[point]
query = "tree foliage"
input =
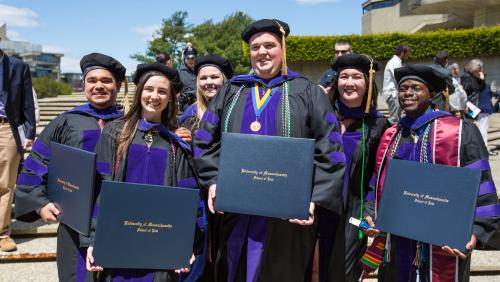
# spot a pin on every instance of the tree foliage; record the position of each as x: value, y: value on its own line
x: 47, y: 87
x: 222, y: 38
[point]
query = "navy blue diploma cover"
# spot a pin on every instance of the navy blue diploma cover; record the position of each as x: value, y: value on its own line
x: 70, y: 186
x: 430, y: 203
x: 265, y: 175
x: 145, y: 226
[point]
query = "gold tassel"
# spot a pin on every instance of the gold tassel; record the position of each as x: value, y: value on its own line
x: 446, y: 94
x: 370, y: 84
x: 125, y: 101
x: 284, y: 69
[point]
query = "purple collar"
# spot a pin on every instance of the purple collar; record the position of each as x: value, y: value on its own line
x: 112, y: 112
x: 190, y: 111
x: 356, y: 113
x: 278, y: 79
x: 415, y: 123
x: 145, y: 125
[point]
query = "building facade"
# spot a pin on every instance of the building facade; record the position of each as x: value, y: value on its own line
x: 425, y: 15
x: 40, y: 63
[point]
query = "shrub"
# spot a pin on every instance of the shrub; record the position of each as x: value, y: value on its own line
x: 47, y: 87
x: 459, y: 44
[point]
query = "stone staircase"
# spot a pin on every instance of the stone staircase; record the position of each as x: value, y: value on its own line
x: 36, y: 255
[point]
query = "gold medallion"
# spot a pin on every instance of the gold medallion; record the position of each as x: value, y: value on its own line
x: 255, y: 126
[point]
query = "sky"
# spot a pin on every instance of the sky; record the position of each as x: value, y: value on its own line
x: 121, y: 28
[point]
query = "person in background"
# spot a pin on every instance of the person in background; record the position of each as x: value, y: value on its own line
x: 16, y: 109
x: 458, y: 99
x: 389, y: 90
x: 140, y: 148
x: 342, y: 47
x: 442, y: 99
x: 80, y: 128
x: 435, y: 137
x: 164, y: 58
x: 486, y: 107
x: 473, y: 81
x: 188, y: 77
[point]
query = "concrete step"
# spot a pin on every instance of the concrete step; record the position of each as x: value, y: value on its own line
x: 36, y: 228
x: 31, y: 249
x: 29, y: 271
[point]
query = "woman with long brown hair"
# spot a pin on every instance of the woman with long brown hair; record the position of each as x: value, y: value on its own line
x: 141, y: 148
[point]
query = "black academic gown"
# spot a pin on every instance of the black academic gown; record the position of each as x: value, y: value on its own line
x: 346, y: 238
x: 168, y: 162
x: 278, y: 250
x: 473, y: 154
x: 77, y: 128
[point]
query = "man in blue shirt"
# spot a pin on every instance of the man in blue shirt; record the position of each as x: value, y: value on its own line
x: 16, y: 108
x: 342, y: 47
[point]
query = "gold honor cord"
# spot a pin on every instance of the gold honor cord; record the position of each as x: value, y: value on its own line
x: 446, y: 94
x: 284, y: 70
x: 370, y: 88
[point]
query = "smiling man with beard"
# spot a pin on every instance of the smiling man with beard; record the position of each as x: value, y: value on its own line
x: 255, y: 248
x: 80, y: 128
x: 427, y: 135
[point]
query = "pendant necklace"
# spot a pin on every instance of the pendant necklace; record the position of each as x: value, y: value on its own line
x: 259, y: 104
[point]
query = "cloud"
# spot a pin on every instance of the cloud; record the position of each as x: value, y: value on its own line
x: 14, y: 35
x: 52, y: 49
x: 146, y: 31
x: 18, y: 17
x: 70, y: 64
x: 314, y: 2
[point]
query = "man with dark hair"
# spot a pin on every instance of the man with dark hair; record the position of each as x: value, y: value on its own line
x: 79, y: 128
x: 342, y: 47
x: 188, y: 77
x: 16, y: 109
x: 390, y: 91
x: 256, y: 248
x: 164, y: 58
x: 442, y: 99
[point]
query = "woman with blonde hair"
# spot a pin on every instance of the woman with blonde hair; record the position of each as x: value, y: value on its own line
x: 212, y: 71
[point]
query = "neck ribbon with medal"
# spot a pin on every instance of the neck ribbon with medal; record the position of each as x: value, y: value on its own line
x: 259, y: 104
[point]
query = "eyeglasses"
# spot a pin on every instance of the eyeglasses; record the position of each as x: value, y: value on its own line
x: 342, y: 52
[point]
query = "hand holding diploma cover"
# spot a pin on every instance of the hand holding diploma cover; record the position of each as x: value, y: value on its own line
x: 145, y: 226
x: 265, y: 175
x: 430, y: 203
x: 71, y: 180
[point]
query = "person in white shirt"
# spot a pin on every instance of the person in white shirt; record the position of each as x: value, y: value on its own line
x: 390, y: 91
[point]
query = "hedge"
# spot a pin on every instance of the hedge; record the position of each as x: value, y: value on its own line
x: 459, y: 44
x: 47, y: 87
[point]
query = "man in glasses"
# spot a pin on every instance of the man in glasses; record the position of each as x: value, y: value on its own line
x: 342, y: 47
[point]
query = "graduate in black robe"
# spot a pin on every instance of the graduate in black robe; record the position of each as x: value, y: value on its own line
x: 427, y: 135
x: 80, y: 128
x: 140, y: 148
x: 278, y: 102
x: 212, y: 71
x: 362, y: 128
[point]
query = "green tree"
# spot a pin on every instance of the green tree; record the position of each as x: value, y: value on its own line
x: 47, y: 87
x: 224, y: 39
x: 171, y: 37
x: 221, y: 38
